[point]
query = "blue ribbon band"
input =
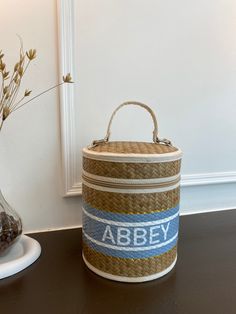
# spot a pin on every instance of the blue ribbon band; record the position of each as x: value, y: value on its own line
x: 130, y: 235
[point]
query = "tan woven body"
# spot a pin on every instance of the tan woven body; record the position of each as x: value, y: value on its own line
x: 100, y: 165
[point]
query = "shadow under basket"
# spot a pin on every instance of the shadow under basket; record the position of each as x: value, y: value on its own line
x: 131, y: 206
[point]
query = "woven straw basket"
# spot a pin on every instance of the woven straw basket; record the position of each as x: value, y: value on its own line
x: 131, y: 206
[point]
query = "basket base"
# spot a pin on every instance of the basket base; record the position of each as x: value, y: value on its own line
x: 129, y: 279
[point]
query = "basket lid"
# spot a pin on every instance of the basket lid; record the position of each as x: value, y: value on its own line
x: 160, y: 149
x: 122, y: 147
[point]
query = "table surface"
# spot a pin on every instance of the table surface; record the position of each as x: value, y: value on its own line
x: 203, y: 281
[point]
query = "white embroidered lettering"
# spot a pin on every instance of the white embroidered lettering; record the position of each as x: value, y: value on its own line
x: 123, y: 236
x: 108, y: 235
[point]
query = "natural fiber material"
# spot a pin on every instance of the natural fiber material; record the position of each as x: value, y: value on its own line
x: 131, y: 170
x: 129, y: 267
x: 126, y: 203
x: 131, y: 206
x: 139, y: 104
x: 133, y: 148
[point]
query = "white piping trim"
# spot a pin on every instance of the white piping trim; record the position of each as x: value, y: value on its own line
x: 130, y: 191
x: 130, y: 224
x: 129, y: 279
x: 130, y: 181
x: 128, y: 249
x: 133, y: 158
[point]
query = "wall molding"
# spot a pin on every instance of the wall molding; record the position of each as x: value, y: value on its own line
x: 69, y: 129
x: 66, y: 40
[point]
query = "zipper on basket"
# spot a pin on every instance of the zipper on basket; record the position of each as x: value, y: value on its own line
x: 118, y: 185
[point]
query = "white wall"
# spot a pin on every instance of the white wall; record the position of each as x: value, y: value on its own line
x: 177, y: 56
x: 30, y: 164
x: 180, y: 58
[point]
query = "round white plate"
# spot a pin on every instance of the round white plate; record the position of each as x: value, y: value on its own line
x: 21, y: 255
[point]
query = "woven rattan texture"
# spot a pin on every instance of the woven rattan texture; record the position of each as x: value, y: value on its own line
x: 131, y: 170
x: 129, y: 267
x: 125, y: 203
x: 133, y: 148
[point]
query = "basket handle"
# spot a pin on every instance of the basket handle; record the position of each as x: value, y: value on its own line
x: 142, y: 105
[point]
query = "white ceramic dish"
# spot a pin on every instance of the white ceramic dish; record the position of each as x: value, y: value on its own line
x: 20, y: 256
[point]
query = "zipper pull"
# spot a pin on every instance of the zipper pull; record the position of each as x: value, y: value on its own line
x: 97, y: 142
x: 163, y: 141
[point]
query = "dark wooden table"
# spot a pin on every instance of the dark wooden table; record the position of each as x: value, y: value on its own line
x: 203, y: 281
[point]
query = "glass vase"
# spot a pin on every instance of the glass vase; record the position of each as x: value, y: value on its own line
x: 10, y: 225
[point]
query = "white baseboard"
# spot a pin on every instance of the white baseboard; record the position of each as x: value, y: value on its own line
x: 205, y: 211
x: 208, y: 178
x: 53, y: 229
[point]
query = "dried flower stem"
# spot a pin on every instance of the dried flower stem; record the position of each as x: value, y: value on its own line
x: 10, y: 84
x: 40, y: 94
x: 1, y: 125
